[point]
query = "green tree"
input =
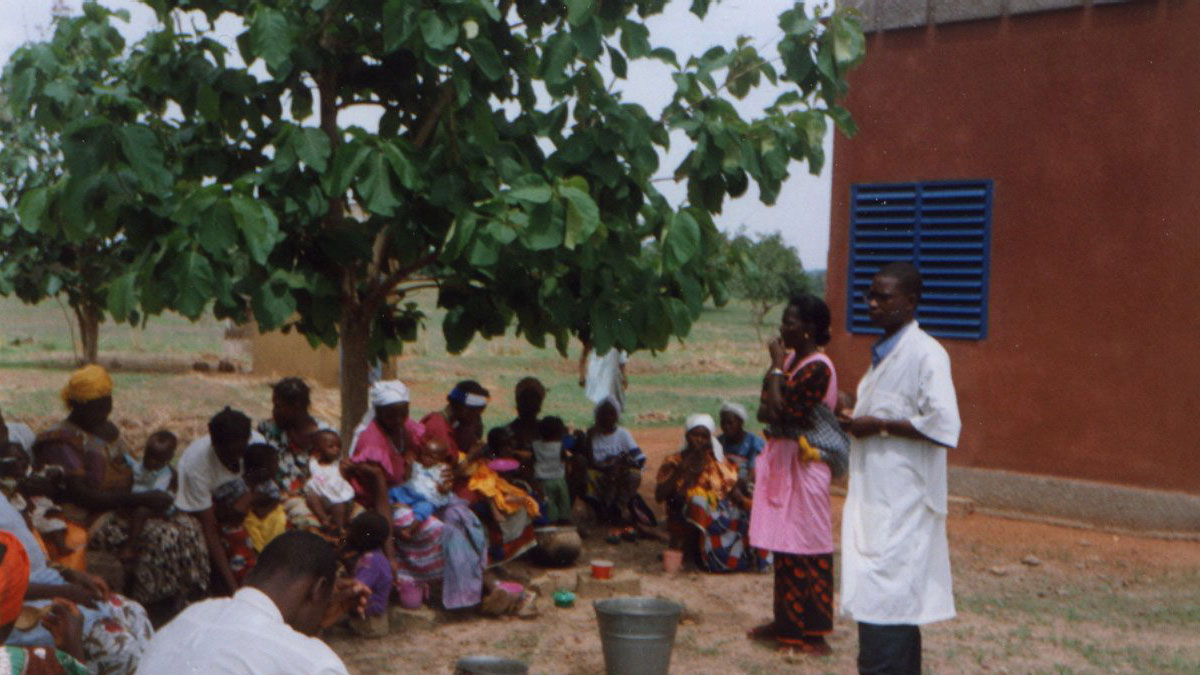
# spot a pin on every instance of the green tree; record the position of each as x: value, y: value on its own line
x: 64, y: 235
x: 770, y: 273
x: 506, y: 169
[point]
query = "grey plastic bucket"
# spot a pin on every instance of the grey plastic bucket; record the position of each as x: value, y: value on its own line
x: 489, y: 665
x: 637, y: 634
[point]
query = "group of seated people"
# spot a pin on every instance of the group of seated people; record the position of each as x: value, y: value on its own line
x: 417, y: 510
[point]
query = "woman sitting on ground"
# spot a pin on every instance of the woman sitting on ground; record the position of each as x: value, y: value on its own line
x: 381, y: 444
x: 507, y: 515
x: 114, y: 628
x: 291, y: 430
x: 741, y: 447
x: 614, y: 472
x: 708, y: 507
x: 171, y: 565
x: 63, y: 621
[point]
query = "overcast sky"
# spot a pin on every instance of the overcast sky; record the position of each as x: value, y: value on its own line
x: 802, y: 210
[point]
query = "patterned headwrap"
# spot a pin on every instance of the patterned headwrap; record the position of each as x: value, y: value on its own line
x: 468, y: 399
x: 14, y: 578
x: 87, y: 384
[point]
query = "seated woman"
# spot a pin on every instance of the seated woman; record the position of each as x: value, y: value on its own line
x: 63, y: 620
x: 382, y: 441
x: 115, y: 629
x: 741, y: 446
x: 212, y: 492
x: 614, y: 472
x: 708, y: 509
x: 171, y: 565
x: 506, y: 511
x: 292, y: 430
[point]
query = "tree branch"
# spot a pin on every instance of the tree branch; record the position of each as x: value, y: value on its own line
x: 432, y: 117
x: 389, y: 283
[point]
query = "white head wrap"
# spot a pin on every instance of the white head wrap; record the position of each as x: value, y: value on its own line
x: 705, y: 420
x: 383, y: 393
x: 388, y: 392
x: 736, y: 409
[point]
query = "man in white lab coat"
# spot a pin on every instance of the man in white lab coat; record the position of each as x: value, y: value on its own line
x: 895, y: 557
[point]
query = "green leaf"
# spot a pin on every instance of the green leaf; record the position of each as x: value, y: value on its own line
x: 375, y: 186
x: 619, y: 66
x: 217, y: 233
x: 121, y: 299
x: 258, y: 225
x: 849, y: 46
x: 583, y: 216
x: 841, y: 117
x: 487, y: 58
x: 544, y: 231
x: 700, y: 7
x: 272, y: 302
x: 635, y: 39
x: 194, y: 278
x: 311, y: 145
x: 556, y: 56
x: 436, y: 31
x: 531, y: 188
x: 145, y: 156
x: 31, y: 209
x: 683, y: 239
x: 22, y: 90
x: 270, y: 38
x: 208, y: 103
x: 586, y: 37
x: 397, y: 23
x: 579, y: 11
x: 396, y: 154
x: 347, y: 160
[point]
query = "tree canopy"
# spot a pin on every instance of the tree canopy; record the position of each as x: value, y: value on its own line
x: 506, y: 169
x: 767, y: 273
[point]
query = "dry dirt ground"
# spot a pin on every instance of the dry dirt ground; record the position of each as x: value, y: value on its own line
x: 1032, y: 598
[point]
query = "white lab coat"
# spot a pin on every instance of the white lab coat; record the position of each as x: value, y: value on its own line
x: 895, y: 557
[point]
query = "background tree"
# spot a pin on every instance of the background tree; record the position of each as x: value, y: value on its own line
x: 64, y: 237
x: 506, y: 170
x: 769, y: 273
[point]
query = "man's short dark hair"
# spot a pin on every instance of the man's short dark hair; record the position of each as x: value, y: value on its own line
x: 228, y: 426
x: 295, y: 554
x: 906, y: 274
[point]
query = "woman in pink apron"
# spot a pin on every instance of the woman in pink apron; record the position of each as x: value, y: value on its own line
x: 790, y: 514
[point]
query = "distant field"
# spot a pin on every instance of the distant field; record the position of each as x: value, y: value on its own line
x: 721, y: 359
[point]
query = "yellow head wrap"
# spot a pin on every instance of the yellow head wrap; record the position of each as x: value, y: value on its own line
x: 87, y: 384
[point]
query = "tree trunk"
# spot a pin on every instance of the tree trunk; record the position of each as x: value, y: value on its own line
x: 88, y: 318
x: 355, y: 365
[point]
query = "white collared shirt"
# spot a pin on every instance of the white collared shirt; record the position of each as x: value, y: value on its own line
x: 242, y: 634
x: 201, y: 472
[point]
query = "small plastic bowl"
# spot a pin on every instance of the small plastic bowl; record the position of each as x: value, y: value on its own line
x: 564, y: 598
x: 602, y: 569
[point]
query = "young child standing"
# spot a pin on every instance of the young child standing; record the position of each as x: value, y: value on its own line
x: 550, y: 471
x: 365, y: 539
x: 267, y: 518
x: 429, y: 480
x: 153, y: 472
x: 327, y: 491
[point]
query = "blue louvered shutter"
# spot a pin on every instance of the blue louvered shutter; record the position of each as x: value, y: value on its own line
x: 943, y: 228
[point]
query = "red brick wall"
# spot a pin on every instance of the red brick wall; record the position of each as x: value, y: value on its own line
x: 1088, y: 121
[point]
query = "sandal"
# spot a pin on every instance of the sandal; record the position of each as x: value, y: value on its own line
x: 629, y: 534
x: 809, y: 646
x: 614, y: 536
x: 762, y: 633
